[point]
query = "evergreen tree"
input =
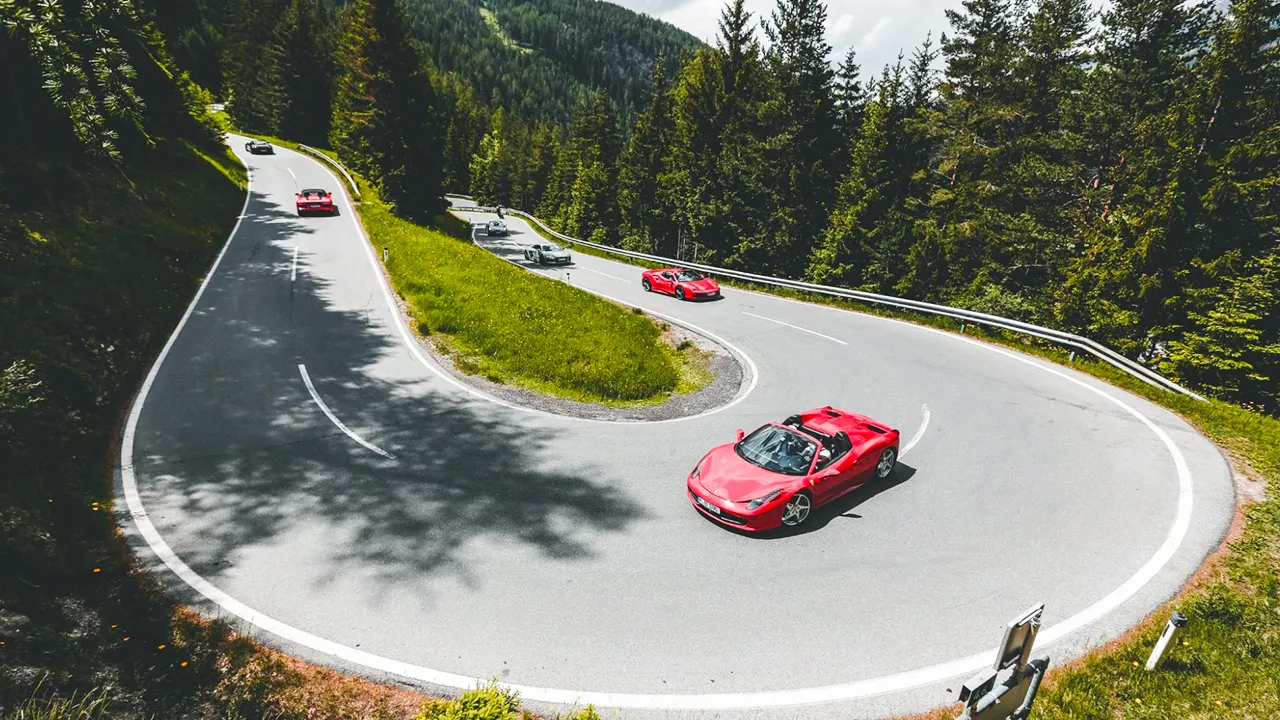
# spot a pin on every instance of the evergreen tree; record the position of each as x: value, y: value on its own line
x: 850, y: 96
x: 1234, y: 349
x: 592, y: 211
x: 385, y: 122
x: 645, y: 211
x: 252, y: 61
x: 808, y: 130
x: 307, y: 66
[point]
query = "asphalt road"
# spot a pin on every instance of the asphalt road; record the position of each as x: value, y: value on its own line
x: 300, y: 468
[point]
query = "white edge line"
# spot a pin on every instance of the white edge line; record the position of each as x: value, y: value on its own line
x: 295, y: 177
x: 302, y: 369
x: 293, y: 274
x: 794, y: 327
x: 847, y: 691
x: 924, y: 409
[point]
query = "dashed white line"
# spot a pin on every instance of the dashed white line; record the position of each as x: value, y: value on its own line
x: 333, y: 418
x: 597, y: 272
x: 795, y: 327
x: 293, y: 274
x: 919, y: 433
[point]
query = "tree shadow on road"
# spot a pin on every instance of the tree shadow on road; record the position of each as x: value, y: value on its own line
x: 233, y: 449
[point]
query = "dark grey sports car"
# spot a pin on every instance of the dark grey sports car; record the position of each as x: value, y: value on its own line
x: 259, y: 147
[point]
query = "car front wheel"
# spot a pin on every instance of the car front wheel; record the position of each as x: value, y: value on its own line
x: 884, y: 466
x: 797, y: 509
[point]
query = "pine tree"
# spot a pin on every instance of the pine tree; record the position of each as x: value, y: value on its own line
x: 850, y: 96
x: 807, y: 128
x: 306, y: 66
x: 252, y: 63
x: 1234, y: 349
x: 645, y: 211
x: 592, y: 211
x: 386, y: 123
x: 1127, y: 285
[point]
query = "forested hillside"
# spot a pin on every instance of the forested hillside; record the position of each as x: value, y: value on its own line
x: 1123, y: 183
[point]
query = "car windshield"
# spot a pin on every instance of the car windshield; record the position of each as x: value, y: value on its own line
x: 552, y: 248
x: 688, y: 276
x: 313, y: 191
x: 777, y: 449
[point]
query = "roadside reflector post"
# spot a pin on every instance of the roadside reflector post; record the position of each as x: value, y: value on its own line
x: 986, y: 697
x: 566, y: 277
x: 384, y: 255
x: 1172, y: 630
x: 963, y: 325
x: 1072, y: 358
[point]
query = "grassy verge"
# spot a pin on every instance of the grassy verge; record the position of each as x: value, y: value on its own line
x: 513, y: 327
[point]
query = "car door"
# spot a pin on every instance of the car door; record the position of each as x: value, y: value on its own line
x: 668, y: 284
x: 835, y: 479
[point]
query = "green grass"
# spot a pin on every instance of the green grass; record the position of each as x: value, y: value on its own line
x: 511, y: 326
x: 92, y: 705
x: 491, y: 19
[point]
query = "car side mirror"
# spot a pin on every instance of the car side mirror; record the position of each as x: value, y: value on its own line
x: 740, y: 435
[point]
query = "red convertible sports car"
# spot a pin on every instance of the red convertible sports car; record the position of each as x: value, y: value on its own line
x: 313, y: 200
x: 778, y: 474
x: 684, y: 284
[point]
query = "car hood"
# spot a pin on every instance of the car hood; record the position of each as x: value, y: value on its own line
x: 727, y: 476
x: 556, y: 253
x: 703, y: 285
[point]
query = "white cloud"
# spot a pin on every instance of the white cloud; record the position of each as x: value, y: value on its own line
x: 877, y: 29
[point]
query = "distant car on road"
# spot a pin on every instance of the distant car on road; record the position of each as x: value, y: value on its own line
x: 684, y: 284
x: 547, y: 254
x: 778, y: 474
x: 316, y: 200
x: 495, y: 227
x: 259, y: 147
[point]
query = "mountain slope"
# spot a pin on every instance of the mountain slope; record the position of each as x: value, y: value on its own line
x: 540, y: 58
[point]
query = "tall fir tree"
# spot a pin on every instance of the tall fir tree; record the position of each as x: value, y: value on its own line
x: 807, y: 166
x: 646, y: 212
x: 592, y: 211
x: 306, y: 66
x: 386, y: 123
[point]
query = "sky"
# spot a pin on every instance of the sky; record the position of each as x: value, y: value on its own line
x: 877, y: 29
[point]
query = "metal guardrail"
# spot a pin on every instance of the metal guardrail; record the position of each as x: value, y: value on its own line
x: 350, y: 180
x: 1077, y: 342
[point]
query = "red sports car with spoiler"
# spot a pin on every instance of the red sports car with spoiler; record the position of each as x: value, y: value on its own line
x: 778, y: 474
x: 684, y: 284
x: 315, y: 200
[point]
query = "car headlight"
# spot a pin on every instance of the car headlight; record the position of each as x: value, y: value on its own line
x: 761, y: 501
x: 697, y: 469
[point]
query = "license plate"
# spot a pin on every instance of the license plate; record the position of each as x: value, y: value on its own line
x: 707, y: 505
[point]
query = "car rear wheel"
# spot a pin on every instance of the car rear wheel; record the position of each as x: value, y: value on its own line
x: 679, y: 293
x: 884, y: 466
x: 648, y: 287
x: 797, y: 509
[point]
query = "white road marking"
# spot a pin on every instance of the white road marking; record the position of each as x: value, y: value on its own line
x: 597, y: 272
x: 295, y: 177
x: 795, y: 327
x: 293, y: 275
x: 334, y: 418
x: 780, y: 698
x: 919, y: 433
